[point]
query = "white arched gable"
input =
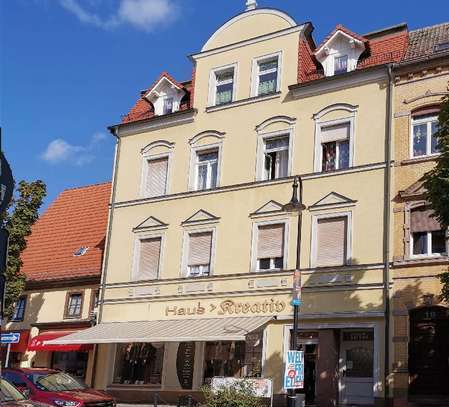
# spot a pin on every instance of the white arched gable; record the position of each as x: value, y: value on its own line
x: 157, y: 144
x: 208, y: 133
x: 337, y: 106
x: 275, y: 119
x: 286, y: 19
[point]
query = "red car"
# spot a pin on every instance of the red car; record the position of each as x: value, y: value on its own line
x: 56, y: 388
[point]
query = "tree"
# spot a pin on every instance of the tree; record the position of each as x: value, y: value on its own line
x: 18, y: 220
x: 437, y: 181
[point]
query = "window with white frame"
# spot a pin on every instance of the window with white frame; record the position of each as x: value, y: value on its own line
x: 340, y: 64
x: 427, y: 237
x: 276, y: 155
x: 19, y: 310
x: 335, y: 146
x: 331, y: 246
x: 224, y: 86
x: 206, y: 169
x: 266, y: 76
x: 424, y: 130
x: 199, y: 254
x: 155, y: 182
x: 149, y: 256
x: 270, y: 247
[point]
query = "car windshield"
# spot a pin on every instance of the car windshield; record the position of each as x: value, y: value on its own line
x: 9, y: 393
x: 57, y: 381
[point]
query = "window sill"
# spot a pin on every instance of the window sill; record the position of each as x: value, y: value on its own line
x: 423, y: 260
x: 243, y: 102
x: 421, y: 159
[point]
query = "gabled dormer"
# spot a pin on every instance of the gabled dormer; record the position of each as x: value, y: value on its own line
x: 165, y: 95
x: 340, y: 51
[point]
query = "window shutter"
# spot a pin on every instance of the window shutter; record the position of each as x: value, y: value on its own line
x: 156, y: 177
x: 421, y: 220
x: 270, y: 241
x: 331, y: 242
x: 150, y: 250
x: 199, y: 248
x: 335, y: 133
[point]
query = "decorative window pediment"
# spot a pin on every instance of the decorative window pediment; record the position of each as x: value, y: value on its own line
x: 332, y: 200
x: 165, y: 95
x: 151, y: 223
x: 200, y: 217
x: 271, y: 207
x: 415, y: 190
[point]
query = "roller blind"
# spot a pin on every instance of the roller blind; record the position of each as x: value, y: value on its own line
x: 199, y: 248
x: 335, y: 133
x: 331, y: 242
x: 156, y: 177
x: 422, y: 220
x: 270, y: 241
x: 150, y: 250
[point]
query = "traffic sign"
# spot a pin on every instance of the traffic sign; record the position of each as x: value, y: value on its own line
x: 294, y: 370
x: 10, y: 337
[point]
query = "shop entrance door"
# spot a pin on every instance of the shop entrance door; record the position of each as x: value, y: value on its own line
x: 356, y: 367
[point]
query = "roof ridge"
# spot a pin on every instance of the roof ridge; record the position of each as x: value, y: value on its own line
x: 86, y: 186
x: 428, y: 27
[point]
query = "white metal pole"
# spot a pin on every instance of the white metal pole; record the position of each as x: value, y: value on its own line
x: 7, y: 355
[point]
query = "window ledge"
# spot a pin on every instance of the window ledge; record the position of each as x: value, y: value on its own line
x: 429, y: 260
x: 421, y: 159
x: 243, y: 102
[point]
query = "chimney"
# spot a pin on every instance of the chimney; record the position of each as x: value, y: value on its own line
x: 251, y: 4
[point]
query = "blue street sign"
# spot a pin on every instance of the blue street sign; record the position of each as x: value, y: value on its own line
x: 294, y: 370
x: 10, y: 337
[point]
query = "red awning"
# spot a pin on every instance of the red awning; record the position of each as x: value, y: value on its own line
x: 22, y: 345
x: 38, y: 343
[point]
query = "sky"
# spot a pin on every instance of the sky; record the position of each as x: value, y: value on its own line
x: 71, y: 68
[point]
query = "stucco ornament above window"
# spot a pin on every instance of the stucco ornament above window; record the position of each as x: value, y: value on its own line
x: 165, y: 95
x: 340, y: 51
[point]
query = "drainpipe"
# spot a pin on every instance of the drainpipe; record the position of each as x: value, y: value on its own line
x: 114, y: 132
x: 387, y: 221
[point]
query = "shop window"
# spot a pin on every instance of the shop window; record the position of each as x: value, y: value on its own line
x: 335, y: 147
x: 424, y: 129
x: 359, y: 362
x: 19, y: 311
x: 74, y: 363
x: 427, y: 238
x: 74, y: 305
x: 276, y: 157
x: 224, y: 359
x: 139, y: 363
x: 331, y: 241
x: 199, y: 255
x: 270, y: 246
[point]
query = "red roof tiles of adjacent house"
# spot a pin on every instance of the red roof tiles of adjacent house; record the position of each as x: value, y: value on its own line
x: 143, y: 109
x: 77, y: 218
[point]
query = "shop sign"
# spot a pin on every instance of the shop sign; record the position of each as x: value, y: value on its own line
x: 261, y: 387
x: 228, y: 307
x: 184, y: 364
x: 10, y: 338
x: 294, y: 370
x: 358, y: 336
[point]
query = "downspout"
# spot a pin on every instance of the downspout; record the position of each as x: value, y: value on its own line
x: 387, y: 220
x: 114, y: 132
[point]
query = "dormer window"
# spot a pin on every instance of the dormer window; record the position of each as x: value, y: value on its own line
x: 340, y: 64
x: 168, y: 105
x: 166, y: 96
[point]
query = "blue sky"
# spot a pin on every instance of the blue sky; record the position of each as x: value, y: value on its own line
x: 70, y: 68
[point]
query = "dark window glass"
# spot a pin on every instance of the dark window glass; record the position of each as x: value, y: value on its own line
x: 434, y: 141
x: 341, y: 64
x: 419, y: 139
x: 264, y: 264
x: 168, y: 105
x: 343, y: 154
x: 19, y: 311
x: 420, y: 243
x: 329, y: 156
x: 74, y: 363
x: 224, y: 359
x: 439, y: 241
x: 278, y: 262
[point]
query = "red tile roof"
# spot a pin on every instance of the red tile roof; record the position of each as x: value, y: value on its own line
x: 77, y: 218
x: 143, y: 109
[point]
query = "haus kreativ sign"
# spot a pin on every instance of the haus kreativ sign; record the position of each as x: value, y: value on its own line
x: 228, y: 307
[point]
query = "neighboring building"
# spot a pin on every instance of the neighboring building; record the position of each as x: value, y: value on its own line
x: 200, y: 252
x: 62, y: 263
x: 421, y: 321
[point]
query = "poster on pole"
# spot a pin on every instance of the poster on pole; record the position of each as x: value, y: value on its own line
x: 294, y: 370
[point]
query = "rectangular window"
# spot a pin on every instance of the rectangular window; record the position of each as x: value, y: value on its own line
x: 224, y: 86
x: 156, y: 177
x: 225, y: 359
x: 427, y: 236
x: 331, y: 241
x: 206, y: 169
x: 168, y: 106
x: 270, y: 247
x: 19, y: 311
x: 199, y: 256
x: 138, y: 363
x: 276, y: 157
x: 340, y: 64
x: 74, y: 305
x: 424, y: 135
x: 149, y: 258
x: 335, y: 147
x: 267, y: 76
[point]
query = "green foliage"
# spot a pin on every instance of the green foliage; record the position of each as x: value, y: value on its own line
x: 437, y: 181
x: 18, y: 220
x: 240, y: 394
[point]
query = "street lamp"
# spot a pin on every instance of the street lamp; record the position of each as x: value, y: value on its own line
x: 296, y: 205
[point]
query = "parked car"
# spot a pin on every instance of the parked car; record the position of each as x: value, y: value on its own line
x: 56, y: 388
x: 12, y: 397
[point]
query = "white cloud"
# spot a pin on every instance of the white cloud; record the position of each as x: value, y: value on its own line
x: 142, y: 14
x: 60, y: 151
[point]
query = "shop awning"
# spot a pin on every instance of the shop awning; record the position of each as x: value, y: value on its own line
x: 40, y: 342
x: 184, y: 330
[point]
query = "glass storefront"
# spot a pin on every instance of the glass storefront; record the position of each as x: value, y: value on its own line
x: 74, y: 363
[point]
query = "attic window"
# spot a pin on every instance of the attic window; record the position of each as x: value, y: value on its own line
x: 442, y: 46
x: 341, y: 64
x: 81, y: 251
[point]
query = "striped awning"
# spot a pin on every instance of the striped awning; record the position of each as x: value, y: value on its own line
x: 183, y: 330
